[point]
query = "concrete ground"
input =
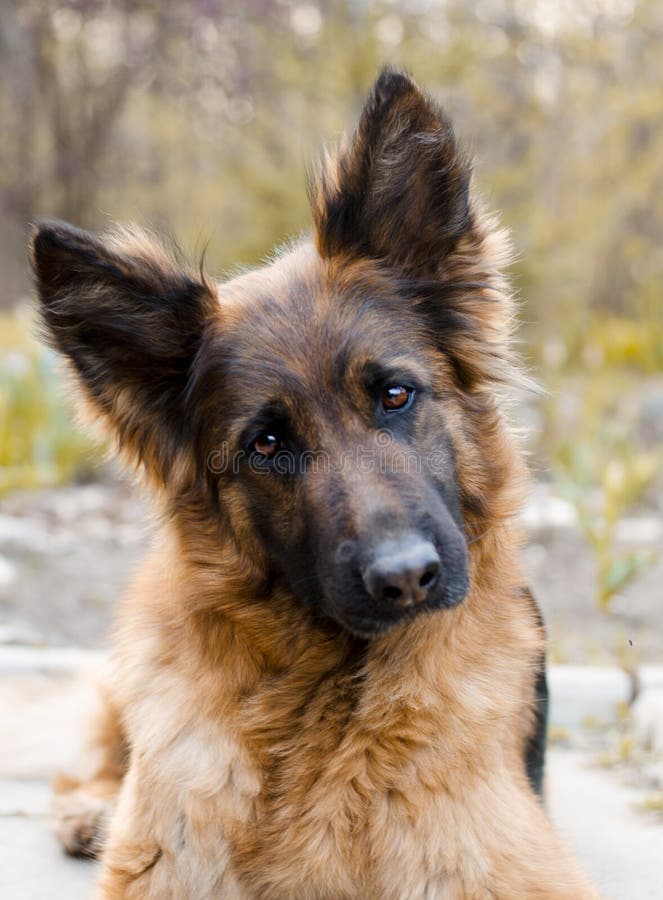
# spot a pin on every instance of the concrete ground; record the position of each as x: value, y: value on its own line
x: 42, y: 712
x: 619, y: 847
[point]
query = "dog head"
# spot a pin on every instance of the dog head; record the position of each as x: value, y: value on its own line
x: 332, y: 412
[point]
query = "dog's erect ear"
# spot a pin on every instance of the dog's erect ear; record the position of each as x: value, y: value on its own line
x: 400, y: 190
x: 129, y: 317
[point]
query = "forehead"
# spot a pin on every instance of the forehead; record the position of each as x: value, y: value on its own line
x: 302, y: 327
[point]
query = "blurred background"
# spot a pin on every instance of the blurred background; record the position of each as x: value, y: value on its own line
x: 199, y: 118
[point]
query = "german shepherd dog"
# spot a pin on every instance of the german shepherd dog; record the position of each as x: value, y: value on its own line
x: 328, y: 677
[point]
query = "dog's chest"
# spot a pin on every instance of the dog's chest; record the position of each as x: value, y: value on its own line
x: 348, y: 810
x: 346, y: 838
x: 356, y: 793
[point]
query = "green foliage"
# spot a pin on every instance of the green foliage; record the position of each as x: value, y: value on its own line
x: 604, y: 471
x: 618, y: 342
x: 653, y: 803
x: 38, y: 444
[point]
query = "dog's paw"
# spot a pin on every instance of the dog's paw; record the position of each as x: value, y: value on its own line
x: 81, y: 812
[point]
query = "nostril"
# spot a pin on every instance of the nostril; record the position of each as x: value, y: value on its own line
x: 429, y: 576
x: 402, y: 573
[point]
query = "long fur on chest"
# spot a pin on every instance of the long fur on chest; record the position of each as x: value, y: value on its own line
x: 322, y: 759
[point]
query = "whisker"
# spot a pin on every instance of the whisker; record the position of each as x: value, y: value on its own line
x: 481, y: 536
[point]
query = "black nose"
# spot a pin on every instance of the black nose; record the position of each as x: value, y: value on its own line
x: 402, y: 572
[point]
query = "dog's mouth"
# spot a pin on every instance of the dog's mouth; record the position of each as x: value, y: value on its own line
x: 366, y: 620
x: 394, y: 583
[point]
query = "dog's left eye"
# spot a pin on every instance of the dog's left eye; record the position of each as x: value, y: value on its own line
x: 396, y: 397
x: 267, y: 445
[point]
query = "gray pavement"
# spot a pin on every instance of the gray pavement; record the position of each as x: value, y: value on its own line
x: 32, y: 865
x: 43, y: 705
x: 620, y: 847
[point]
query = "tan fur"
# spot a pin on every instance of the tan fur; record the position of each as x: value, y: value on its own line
x: 264, y: 764
x: 267, y: 770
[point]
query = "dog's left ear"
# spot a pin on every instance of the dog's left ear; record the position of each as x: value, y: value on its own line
x: 400, y: 190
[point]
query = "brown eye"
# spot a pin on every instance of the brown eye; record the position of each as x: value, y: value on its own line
x: 267, y: 445
x: 396, y: 397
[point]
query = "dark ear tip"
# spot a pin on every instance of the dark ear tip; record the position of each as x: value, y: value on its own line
x: 392, y: 83
x: 47, y: 235
x: 52, y: 241
x: 41, y: 236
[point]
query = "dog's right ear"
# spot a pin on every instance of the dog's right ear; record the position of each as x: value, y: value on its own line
x: 129, y: 317
x: 399, y: 190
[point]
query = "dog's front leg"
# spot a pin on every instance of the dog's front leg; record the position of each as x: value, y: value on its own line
x: 82, y: 807
x: 165, y: 845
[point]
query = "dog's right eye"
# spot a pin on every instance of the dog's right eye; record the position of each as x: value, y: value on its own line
x: 396, y: 397
x: 267, y: 445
